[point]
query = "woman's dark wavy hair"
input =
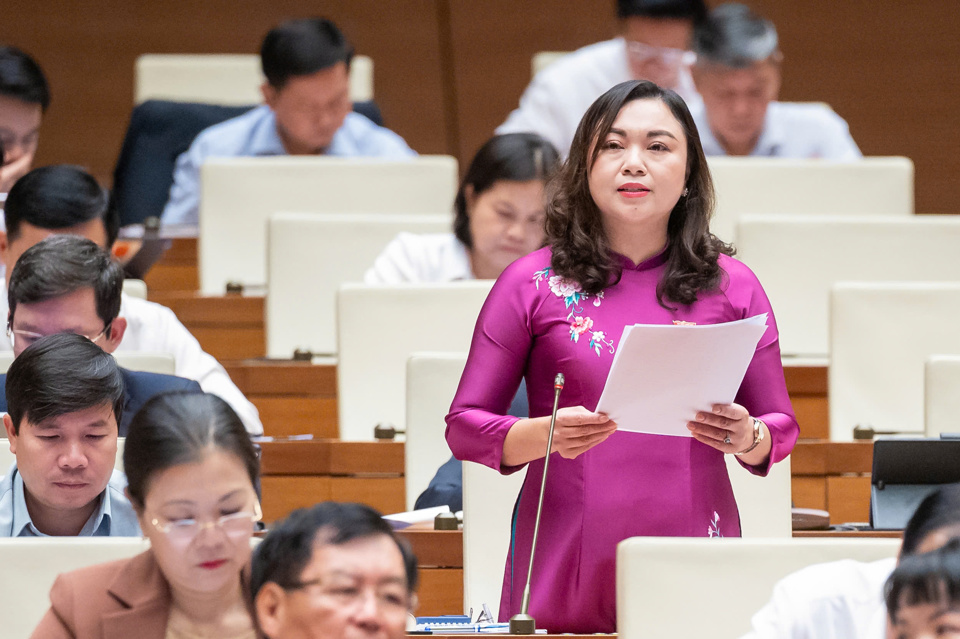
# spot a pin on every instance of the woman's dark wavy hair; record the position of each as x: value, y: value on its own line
x: 575, y: 233
x: 518, y: 157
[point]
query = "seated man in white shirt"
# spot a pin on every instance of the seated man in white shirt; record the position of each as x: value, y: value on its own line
x: 307, y: 112
x: 737, y: 73
x: 24, y: 97
x: 653, y: 45
x: 65, y: 397
x: 63, y: 199
x: 844, y: 599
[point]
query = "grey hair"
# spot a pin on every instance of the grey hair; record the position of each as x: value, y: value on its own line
x: 734, y: 36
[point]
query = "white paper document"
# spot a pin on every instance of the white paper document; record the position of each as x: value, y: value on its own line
x: 663, y: 374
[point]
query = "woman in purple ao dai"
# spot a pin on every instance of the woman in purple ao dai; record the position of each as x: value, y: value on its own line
x: 628, y: 242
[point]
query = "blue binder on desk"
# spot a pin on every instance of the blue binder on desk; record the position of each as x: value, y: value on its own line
x: 905, y: 470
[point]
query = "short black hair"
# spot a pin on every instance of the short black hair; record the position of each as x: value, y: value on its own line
x: 928, y: 578
x: 695, y: 10
x: 288, y: 547
x: 177, y: 428
x: 302, y: 47
x: 22, y: 78
x: 62, y: 264
x: 734, y: 36
x: 61, y: 374
x: 517, y: 157
x: 59, y: 197
x: 938, y: 510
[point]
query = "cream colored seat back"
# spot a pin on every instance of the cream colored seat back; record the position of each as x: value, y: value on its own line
x: 682, y: 587
x: 432, y: 381
x: 228, y: 79
x: 872, y: 186
x: 309, y: 255
x: 135, y: 288
x: 7, y: 458
x: 799, y: 258
x: 378, y: 327
x: 488, y: 500
x: 163, y: 363
x: 881, y: 336
x: 238, y: 195
x: 30, y: 566
x: 941, y: 394
x: 542, y: 59
x: 764, y: 502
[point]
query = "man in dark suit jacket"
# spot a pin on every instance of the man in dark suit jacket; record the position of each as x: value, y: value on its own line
x: 68, y: 284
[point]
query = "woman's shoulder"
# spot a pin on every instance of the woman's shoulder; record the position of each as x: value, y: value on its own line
x: 528, y: 266
x: 121, y: 583
x: 736, y: 273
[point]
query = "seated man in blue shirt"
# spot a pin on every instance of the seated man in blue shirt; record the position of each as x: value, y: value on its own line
x: 68, y: 284
x: 65, y: 399
x: 307, y: 112
x: 737, y: 73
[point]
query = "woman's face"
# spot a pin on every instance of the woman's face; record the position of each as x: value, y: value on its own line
x: 506, y: 223
x: 640, y: 170
x: 198, y: 518
x: 926, y: 621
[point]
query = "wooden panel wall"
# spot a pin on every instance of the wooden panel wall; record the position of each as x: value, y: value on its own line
x: 447, y: 72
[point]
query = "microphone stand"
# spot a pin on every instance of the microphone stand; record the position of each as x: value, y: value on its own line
x: 522, y: 623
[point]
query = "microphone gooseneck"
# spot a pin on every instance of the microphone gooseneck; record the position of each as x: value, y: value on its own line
x: 522, y: 623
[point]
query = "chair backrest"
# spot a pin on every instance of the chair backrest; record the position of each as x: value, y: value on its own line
x: 542, y: 59
x: 764, y: 502
x: 660, y: 578
x: 872, y: 186
x: 238, y: 195
x: 378, y: 327
x: 222, y: 78
x: 135, y: 288
x: 309, y: 255
x: 7, y: 458
x: 941, y: 394
x: 432, y: 380
x: 163, y: 363
x: 798, y: 259
x: 880, y: 337
x: 30, y: 566
x: 488, y: 500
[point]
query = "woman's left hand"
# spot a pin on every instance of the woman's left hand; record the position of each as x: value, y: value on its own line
x: 731, y: 421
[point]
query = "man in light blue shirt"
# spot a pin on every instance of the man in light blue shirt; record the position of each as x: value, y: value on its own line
x: 737, y: 73
x: 307, y: 112
x: 65, y: 397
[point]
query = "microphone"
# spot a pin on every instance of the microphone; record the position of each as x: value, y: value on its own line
x: 522, y: 623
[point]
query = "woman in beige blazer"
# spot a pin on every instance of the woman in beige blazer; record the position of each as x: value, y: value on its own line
x: 191, y: 471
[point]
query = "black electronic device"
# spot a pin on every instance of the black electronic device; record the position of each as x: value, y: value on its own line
x: 905, y: 470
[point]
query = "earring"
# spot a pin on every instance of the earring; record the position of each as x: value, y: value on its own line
x: 685, y: 192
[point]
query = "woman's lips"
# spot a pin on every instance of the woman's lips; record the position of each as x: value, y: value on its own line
x: 633, y: 190
x: 213, y: 565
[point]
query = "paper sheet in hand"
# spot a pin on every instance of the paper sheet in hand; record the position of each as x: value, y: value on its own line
x: 663, y: 374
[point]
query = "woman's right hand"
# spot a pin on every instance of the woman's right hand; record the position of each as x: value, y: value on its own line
x: 577, y: 431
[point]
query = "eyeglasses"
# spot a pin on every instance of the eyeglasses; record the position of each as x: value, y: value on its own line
x: 392, y: 598
x: 235, y: 526
x: 642, y: 52
x: 27, y: 338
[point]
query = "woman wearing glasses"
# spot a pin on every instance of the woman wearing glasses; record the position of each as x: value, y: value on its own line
x: 191, y: 471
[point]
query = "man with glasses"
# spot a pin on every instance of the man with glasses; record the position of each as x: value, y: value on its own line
x: 68, y: 284
x: 737, y: 72
x: 653, y: 45
x: 61, y: 199
x: 64, y: 401
x: 24, y: 97
x: 334, y: 571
